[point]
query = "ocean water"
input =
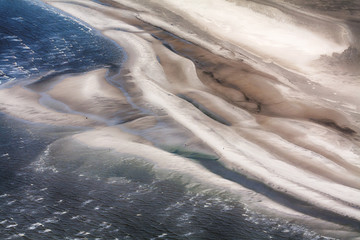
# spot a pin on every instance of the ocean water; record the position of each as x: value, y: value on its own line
x: 41, y: 197
x: 36, y: 40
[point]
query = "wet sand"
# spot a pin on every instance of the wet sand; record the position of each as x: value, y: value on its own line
x: 288, y: 135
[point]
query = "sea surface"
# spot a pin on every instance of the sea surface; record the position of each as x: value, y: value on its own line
x: 36, y: 40
x: 41, y: 201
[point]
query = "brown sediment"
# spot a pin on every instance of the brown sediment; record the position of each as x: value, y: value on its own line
x: 92, y: 94
x: 243, y: 86
x: 332, y: 124
x: 233, y: 80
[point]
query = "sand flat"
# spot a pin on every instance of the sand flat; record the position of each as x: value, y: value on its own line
x: 24, y: 104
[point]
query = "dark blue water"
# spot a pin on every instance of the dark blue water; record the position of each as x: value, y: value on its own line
x: 36, y: 39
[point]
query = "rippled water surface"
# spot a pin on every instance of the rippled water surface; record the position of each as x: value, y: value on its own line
x: 35, y: 39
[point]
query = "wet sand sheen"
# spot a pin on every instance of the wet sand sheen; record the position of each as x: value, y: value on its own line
x: 263, y: 127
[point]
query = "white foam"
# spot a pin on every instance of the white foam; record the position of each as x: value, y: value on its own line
x: 41, y: 164
x: 83, y: 233
x: 105, y: 225
x: 9, y: 203
x: 12, y: 225
x: 61, y: 213
x: 35, y: 226
x: 3, y: 222
x: 86, y: 202
x: 51, y: 220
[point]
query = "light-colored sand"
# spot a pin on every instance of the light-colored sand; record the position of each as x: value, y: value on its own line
x: 82, y: 100
x: 91, y: 94
x: 265, y: 34
x: 217, y: 101
x: 24, y: 104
